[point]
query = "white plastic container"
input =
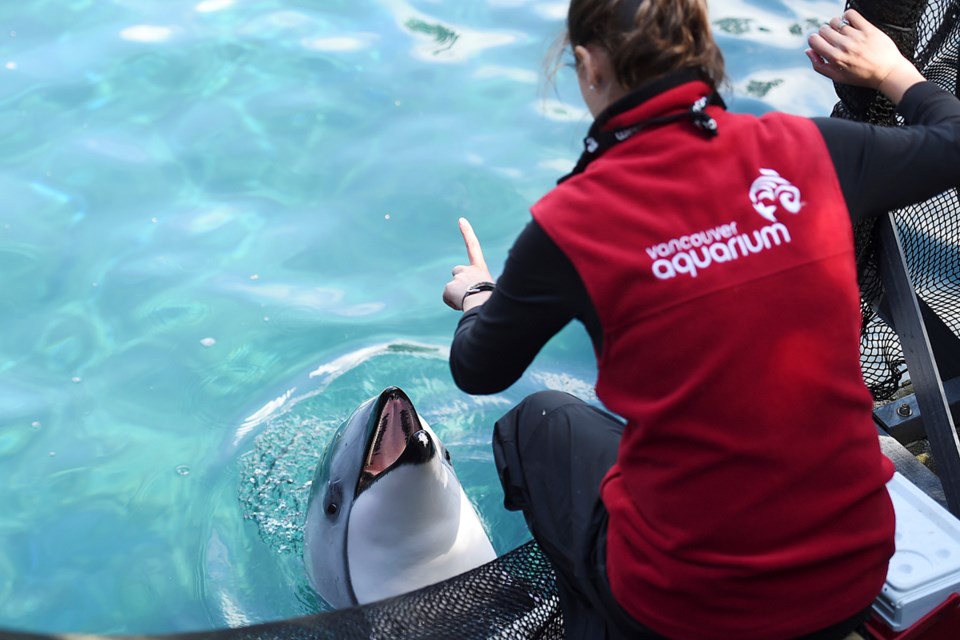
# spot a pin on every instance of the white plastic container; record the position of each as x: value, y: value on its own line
x: 925, y: 569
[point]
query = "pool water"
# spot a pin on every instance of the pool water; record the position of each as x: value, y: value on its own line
x: 226, y: 223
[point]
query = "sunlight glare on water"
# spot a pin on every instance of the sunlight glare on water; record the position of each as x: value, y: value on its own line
x: 225, y: 224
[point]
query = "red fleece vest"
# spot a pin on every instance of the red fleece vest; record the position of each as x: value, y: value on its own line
x: 748, y: 498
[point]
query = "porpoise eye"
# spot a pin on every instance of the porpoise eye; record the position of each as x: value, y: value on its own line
x: 331, y: 501
x: 446, y: 452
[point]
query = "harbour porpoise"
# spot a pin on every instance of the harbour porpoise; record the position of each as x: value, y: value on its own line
x: 387, y: 514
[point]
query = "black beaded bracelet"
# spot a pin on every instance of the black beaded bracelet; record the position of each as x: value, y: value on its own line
x: 477, y: 288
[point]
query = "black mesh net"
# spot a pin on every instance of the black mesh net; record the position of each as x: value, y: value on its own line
x: 513, y: 597
x: 927, y: 31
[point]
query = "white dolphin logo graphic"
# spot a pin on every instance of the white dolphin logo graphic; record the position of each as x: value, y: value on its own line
x: 770, y: 189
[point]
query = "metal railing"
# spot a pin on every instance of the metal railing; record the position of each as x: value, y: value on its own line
x: 921, y: 363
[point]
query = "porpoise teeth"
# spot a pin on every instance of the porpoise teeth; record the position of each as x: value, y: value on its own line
x: 381, y: 430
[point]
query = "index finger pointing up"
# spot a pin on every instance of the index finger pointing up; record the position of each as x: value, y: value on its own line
x: 474, y: 253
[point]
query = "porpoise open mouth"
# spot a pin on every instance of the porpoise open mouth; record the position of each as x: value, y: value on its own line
x: 397, y: 420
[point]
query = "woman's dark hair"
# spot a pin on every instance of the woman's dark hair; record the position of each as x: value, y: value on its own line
x: 647, y: 39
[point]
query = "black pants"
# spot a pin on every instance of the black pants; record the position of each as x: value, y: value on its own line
x: 552, y: 450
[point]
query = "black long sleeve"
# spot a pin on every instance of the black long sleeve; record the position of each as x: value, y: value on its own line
x: 538, y: 293
x: 884, y: 168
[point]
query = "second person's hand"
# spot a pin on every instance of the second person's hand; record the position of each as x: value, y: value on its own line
x: 850, y: 50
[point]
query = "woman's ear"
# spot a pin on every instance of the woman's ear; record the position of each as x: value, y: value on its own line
x: 593, y: 65
x: 598, y: 82
x: 586, y: 66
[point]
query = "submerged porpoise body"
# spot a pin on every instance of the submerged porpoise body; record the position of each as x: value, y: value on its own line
x: 387, y: 514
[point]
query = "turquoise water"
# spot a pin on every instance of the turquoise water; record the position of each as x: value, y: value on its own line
x: 225, y: 224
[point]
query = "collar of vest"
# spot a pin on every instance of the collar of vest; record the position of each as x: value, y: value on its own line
x: 672, y: 92
x: 679, y: 96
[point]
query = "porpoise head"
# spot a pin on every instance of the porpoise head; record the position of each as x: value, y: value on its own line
x: 386, y: 513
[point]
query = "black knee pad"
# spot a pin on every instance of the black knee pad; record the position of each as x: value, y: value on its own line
x: 507, y: 439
